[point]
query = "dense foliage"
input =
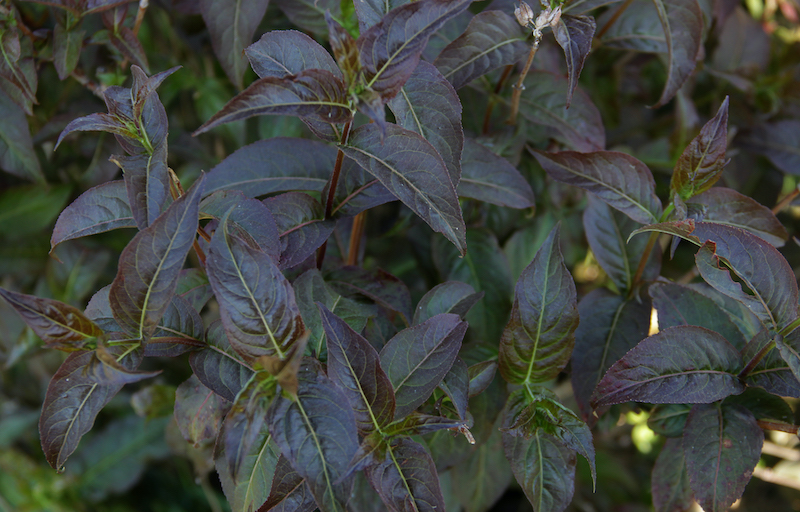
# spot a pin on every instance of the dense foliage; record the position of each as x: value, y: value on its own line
x: 310, y: 298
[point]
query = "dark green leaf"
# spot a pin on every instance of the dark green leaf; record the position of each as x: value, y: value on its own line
x: 428, y: 105
x: 722, y: 443
x: 67, y: 45
x: 218, y: 366
x: 151, y: 263
x: 289, y: 493
x: 59, y: 325
x: 256, y: 302
x: 670, y: 481
x: 668, y: 420
x: 27, y: 210
x: 448, y: 297
x: 231, y: 24
x: 418, y: 358
x: 488, y: 177
x: 199, y: 412
x: 411, y: 168
x: 538, y: 340
x: 779, y: 141
x: 574, y: 34
x: 287, y: 52
x: 726, y: 206
x: 317, y: 433
x: 378, y: 285
x: 493, y: 39
x: 407, y: 480
x: 301, y: 225
x: 313, y: 93
x: 620, y: 180
x: 99, y: 209
x: 771, y: 373
x: 355, y: 366
x: 17, y: 156
x: 488, y: 472
x: 684, y: 364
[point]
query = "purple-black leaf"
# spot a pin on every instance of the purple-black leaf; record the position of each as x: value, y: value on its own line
x: 150, y: 265
x: 682, y: 22
x: 218, y: 366
x: 480, y: 376
x: 456, y: 386
x: 193, y: 286
x: 490, y: 178
x: 287, y: 52
x: 180, y: 330
x: 147, y: 181
x: 789, y: 349
x: 670, y: 481
x: 310, y: 14
x: 378, y: 285
x: 685, y: 364
x: 96, y: 123
x: 771, y: 373
x: 574, y: 34
x: 289, y: 493
x: 370, y: 12
x: 726, y: 206
x: 778, y: 141
x: 537, y: 342
x: 301, y: 224
x: 357, y: 191
x: 668, y: 420
x: 448, y: 297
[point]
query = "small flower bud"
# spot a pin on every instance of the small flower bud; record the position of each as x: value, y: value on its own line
x: 548, y: 17
x: 524, y: 14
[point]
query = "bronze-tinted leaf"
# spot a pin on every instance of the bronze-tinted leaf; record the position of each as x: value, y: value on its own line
x: 289, y: 493
x: 180, y: 330
x: 491, y: 178
x: 574, y: 34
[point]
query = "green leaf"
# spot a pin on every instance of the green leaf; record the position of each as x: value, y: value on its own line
x: 670, y: 481
x: 150, y: 265
x: 411, y: 168
x: 27, y: 210
x: 684, y: 364
x: 418, y: 358
x: 218, y: 366
x: 491, y: 178
x: 67, y: 45
x: 538, y: 340
x: 17, y: 156
x: 722, y: 443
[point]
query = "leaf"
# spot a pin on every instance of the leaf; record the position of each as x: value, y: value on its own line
x: 150, y: 265
x: 726, y: 206
x: 256, y: 302
x: 357, y: 191
x: 607, y: 232
x: 492, y: 40
x: 245, y: 420
x: 27, y: 210
x: 412, y: 170
x: 218, y: 367
x: 231, y: 24
x: 428, y: 105
x: 99, y: 209
x: 489, y: 472
x: 789, y: 349
x: 670, y: 481
x: 416, y: 424
x: 377, y: 285
x: 180, y: 330
x: 199, y: 412
x: 681, y: 305
x: 544, y: 103
x: 537, y: 342
x: 355, y: 366
x: 313, y: 93
x: 448, y: 297
x: 407, y: 480
x: 125, y: 41
x: 574, y: 34
x: 274, y: 165
x: 345, y: 50
x: 317, y: 433
x: 456, y: 386
x: 70, y: 408
x: 67, y: 45
x: 310, y: 14
x: 418, y: 358
x: 480, y: 376
x: 685, y: 364
x: 370, y: 12
x: 610, y: 326
x: 59, y: 325
x: 490, y: 178
x: 98, y: 122
x: 301, y: 224
x: 668, y: 420
x: 620, y: 180
x: 771, y: 373
x: 147, y: 182
x: 289, y: 491
x: 287, y: 52
x: 391, y: 49
x: 682, y: 21
x: 193, y: 286
x: 756, y: 263
x: 17, y: 156
x: 722, y: 444
x: 763, y: 405
x: 779, y: 142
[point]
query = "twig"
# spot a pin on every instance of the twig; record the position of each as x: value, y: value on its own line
x: 520, y: 85
x: 786, y: 201
x: 337, y: 169
x: 356, y: 232
x: 143, y: 4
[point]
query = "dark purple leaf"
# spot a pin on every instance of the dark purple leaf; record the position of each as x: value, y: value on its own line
x: 70, y: 408
x: 115, y: 365
x: 147, y: 181
x: 370, y: 12
x: 310, y: 14
x: 620, y: 180
x: 700, y: 165
x: 449, y: 297
x: 722, y: 445
x: 418, y: 358
x: 313, y: 93
x: 287, y: 52
x: 67, y: 45
x: 428, y: 105
x: 320, y: 412
x: 778, y: 141
x: 59, y: 325
x: 407, y: 480
x: 377, y: 285
x: 199, y: 412
x: 682, y: 21
x: 125, y: 41
x: 180, y: 330
x: 493, y: 39
x: 218, y: 366
x: 544, y: 103
x: 96, y: 123
x: 289, y: 493
x: 480, y: 376
x: 456, y: 386
x: 355, y: 366
x: 411, y: 168
x: 248, y: 219
x: 668, y: 420
x: 245, y: 421
x: 231, y: 24
x: 584, y: 6
x: 391, y: 49
x: 763, y: 405
x: 344, y: 49
x: 99, y: 209
x: 17, y: 156
x: 301, y: 225
x: 488, y: 177
x: 538, y: 340
x: 574, y: 34
x: 680, y: 305
x: 789, y: 349
x: 771, y: 373
x: 150, y: 265
x: 357, y: 191
x: 607, y: 231
x: 685, y: 364
x: 610, y: 326
x: 256, y: 302
x: 726, y: 206
x: 670, y: 481
x: 193, y: 286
